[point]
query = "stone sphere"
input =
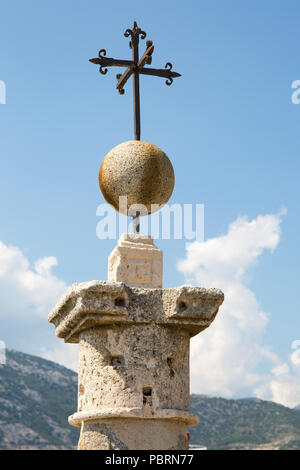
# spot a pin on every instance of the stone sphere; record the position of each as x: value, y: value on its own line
x: 140, y: 171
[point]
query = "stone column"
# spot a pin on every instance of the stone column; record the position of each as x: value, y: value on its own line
x: 133, y: 390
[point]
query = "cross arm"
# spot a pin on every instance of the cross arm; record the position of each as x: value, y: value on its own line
x: 165, y: 73
x: 147, y: 56
x: 122, y: 79
x: 109, y: 61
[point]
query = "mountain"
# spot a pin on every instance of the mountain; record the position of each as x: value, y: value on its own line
x: 37, y: 396
x: 244, y: 424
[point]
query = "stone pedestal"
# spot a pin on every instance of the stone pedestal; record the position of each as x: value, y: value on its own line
x: 136, y: 261
x: 133, y: 384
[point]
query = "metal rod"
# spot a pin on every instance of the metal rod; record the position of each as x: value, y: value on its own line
x: 136, y: 222
x: 136, y: 85
x: 136, y: 106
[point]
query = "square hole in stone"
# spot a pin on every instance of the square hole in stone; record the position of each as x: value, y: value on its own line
x: 120, y: 302
x: 117, y: 361
x: 147, y: 396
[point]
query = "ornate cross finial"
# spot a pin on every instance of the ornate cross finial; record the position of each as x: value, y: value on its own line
x: 135, y: 67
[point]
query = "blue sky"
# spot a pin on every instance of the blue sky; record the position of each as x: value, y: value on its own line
x: 228, y: 125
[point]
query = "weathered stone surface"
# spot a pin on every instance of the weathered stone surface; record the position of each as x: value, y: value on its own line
x: 140, y: 171
x: 116, y: 363
x: 117, y: 434
x: 100, y: 303
x: 136, y: 261
x: 133, y: 390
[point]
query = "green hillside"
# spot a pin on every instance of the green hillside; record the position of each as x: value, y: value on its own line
x: 37, y: 396
x: 244, y: 424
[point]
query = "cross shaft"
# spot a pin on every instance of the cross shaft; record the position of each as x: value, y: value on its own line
x: 135, y: 67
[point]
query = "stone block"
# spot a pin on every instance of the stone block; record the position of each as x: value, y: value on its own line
x: 136, y: 261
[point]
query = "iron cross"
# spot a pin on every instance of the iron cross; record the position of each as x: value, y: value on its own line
x: 135, y: 67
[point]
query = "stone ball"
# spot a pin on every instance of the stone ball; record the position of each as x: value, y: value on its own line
x: 140, y: 171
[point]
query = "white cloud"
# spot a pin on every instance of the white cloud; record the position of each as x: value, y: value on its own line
x: 23, y: 287
x: 281, y: 369
x: 27, y: 296
x: 225, y: 357
x: 283, y: 386
x: 64, y: 354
